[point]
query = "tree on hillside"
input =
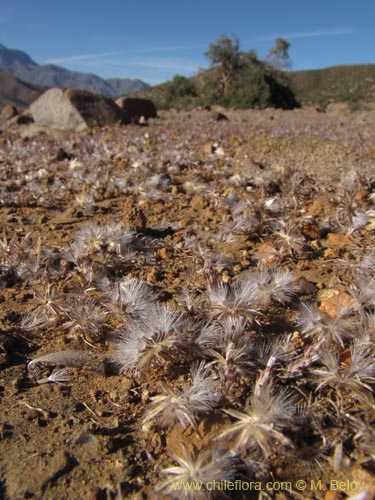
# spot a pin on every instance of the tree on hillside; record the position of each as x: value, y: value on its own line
x: 226, y: 53
x: 279, y: 56
x: 249, y: 57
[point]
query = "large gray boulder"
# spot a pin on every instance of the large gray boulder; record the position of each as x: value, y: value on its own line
x: 135, y: 107
x: 74, y: 109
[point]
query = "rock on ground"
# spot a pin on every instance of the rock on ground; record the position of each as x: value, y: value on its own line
x: 135, y: 107
x: 72, y: 109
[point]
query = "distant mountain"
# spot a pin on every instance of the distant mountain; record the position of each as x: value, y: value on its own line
x: 122, y: 86
x: 16, y: 92
x: 20, y: 65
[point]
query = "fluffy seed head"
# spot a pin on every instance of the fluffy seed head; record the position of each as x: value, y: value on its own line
x: 268, y: 411
x: 184, y: 406
x: 199, y: 469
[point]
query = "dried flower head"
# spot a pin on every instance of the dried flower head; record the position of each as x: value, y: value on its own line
x: 154, y: 343
x: 242, y: 300
x: 90, y: 239
x: 184, y: 406
x: 233, y: 359
x: 85, y: 318
x: 324, y: 329
x: 351, y: 379
x: 58, y: 376
x: 189, y: 478
x: 276, y: 285
x: 14, y: 251
x: 131, y: 300
x: 362, y: 292
x: 68, y: 358
x: 49, y: 307
x: 288, y: 238
x: 267, y: 413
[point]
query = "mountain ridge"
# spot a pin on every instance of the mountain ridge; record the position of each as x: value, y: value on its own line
x: 20, y: 65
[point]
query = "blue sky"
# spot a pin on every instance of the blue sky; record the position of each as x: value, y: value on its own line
x: 154, y: 40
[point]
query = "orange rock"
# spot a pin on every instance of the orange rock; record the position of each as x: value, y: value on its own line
x: 162, y: 253
x: 321, y: 206
x: 361, y: 196
x: 209, y: 147
x: 337, y: 240
x: 330, y: 254
x: 265, y: 252
x: 334, y: 301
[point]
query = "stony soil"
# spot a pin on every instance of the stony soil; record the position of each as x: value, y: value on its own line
x: 196, y: 195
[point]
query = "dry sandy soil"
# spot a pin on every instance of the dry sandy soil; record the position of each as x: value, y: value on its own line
x: 244, y: 245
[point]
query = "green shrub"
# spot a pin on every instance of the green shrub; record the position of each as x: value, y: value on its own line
x: 249, y: 89
x: 254, y: 85
x: 179, y: 91
x: 211, y: 93
x: 282, y: 94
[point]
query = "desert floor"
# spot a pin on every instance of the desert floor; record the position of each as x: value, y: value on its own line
x: 233, y: 256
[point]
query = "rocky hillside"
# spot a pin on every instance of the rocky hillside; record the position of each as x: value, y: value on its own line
x: 16, y: 92
x: 20, y: 65
x: 319, y: 87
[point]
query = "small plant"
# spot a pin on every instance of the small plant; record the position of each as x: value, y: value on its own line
x: 90, y: 239
x: 288, y: 238
x: 362, y: 292
x: 131, y: 300
x: 323, y: 329
x: 267, y: 413
x: 278, y: 285
x: 49, y: 307
x: 85, y: 318
x: 159, y: 341
x: 280, y: 349
x: 242, y: 300
x: 184, y: 406
x: 352, y: 379
x: 14, y: 250
x: 189, y: 478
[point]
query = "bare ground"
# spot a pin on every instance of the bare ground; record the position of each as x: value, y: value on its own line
x: 196, y: 196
